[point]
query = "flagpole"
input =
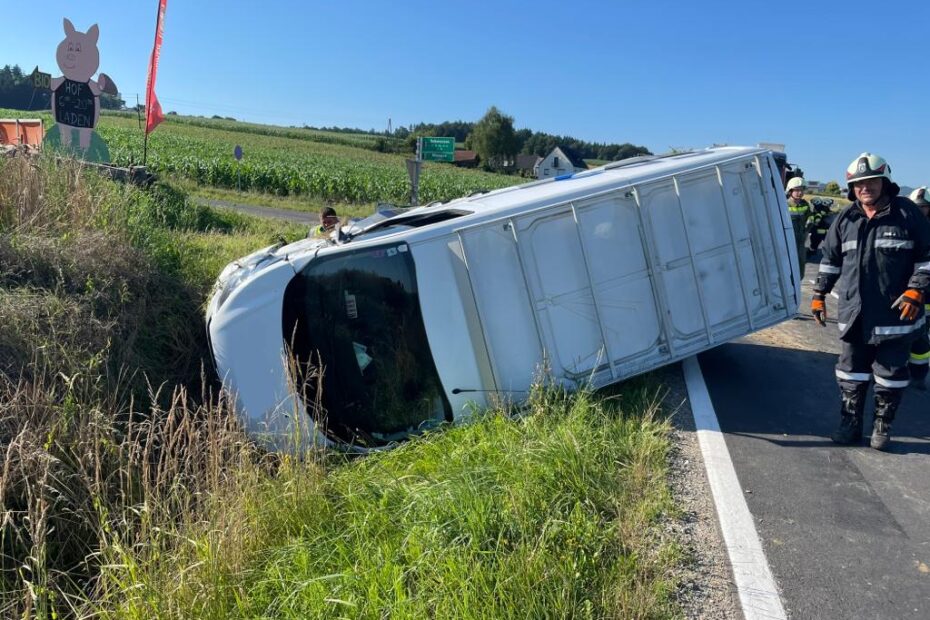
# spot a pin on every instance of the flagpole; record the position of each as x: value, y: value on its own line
x: 145, y: 141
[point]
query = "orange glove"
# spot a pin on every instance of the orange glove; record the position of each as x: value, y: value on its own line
x: 819, y: 308
x: 910, y: 303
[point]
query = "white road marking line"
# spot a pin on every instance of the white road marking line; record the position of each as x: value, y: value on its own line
x: 758, y: 592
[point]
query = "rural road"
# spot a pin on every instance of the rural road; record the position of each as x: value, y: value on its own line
x: 846, y: 529
x: 300, y: 217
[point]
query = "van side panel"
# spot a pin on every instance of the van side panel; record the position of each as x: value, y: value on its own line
x: 777, y: 212
x: 741, y: 210
x: 686, y: 322
x: 619, y: 282
x: 454, y: 334
x: 613, y: 238
x: 502, y: 300
x: 561, y: 291
x: 712, y: 249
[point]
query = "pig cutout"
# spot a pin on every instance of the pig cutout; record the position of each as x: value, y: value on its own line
x: 76, y: 95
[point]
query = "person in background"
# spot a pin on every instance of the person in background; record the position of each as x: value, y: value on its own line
x: 819, y: 222
x: 878, y: 252
x: 800, y: 210
x: 328, y: 221
x: 919, y: 362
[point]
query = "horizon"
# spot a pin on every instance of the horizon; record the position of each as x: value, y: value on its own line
x: 710, y: 74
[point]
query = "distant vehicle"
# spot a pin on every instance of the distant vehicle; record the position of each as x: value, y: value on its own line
x: 415, y: 317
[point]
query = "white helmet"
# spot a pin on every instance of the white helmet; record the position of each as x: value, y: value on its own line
x: 920, y: 196
x: 795, y: 183
x: 869, y: 166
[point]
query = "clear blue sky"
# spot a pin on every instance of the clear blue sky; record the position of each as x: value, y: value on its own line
x: 829, y: 79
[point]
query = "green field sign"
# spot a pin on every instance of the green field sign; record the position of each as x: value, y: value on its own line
x: 437, y: 149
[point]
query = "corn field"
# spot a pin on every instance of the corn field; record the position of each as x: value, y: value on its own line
x: 285, y: 165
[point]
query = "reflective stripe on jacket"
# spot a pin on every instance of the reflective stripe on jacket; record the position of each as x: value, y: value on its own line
x: 872, y: 262
x: 800, y: 209
x: 818, y: 220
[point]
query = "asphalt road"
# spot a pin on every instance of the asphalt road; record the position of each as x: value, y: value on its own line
x: 301, y: 217
x: 846, y: 529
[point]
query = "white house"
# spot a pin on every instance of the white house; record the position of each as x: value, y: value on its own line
x: 561, y: 160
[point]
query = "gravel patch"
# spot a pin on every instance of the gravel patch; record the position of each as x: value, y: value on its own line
x: 707, y: 590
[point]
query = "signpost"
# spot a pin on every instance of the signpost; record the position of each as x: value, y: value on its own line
x: 41, y: 81
x: 428, y: 149
x: 237, y: 153
x: 413, y: 169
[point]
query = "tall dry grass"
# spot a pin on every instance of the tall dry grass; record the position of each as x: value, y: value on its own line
x: 104, y: 452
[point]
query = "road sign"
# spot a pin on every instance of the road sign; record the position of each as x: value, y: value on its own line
x: 437, y: 149
x: 237, y: 153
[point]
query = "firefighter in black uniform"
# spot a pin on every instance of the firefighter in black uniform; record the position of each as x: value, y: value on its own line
x: 819, y: 221
x: 920, y: 350
x: 878, y: 252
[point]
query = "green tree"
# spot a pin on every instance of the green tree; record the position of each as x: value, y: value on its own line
x: 494, y: 139
x: 111, y: 102
x: 832, y: 188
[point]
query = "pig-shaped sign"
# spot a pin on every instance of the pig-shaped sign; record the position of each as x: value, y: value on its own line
x: 76, y: 95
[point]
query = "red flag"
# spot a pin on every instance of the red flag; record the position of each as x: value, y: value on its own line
x: 153, y: 113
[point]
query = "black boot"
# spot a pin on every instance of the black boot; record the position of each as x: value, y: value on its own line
x: 852, y: 404
x: 886, y: 405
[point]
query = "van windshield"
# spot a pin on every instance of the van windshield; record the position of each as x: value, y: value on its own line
x: 355, y: 317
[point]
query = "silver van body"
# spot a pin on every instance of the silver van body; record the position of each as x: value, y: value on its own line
x: 592, y: 278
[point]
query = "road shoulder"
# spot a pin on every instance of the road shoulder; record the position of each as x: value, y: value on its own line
x: 706, y: 586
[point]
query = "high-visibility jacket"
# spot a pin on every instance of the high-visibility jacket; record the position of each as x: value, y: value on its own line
x: 872, y: 262
x: 800, y: 209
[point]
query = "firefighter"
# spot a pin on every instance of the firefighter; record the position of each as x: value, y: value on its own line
x: 920, y: 350
x: 800, y: 210
x: 878, y: 251
x: 819, y: 221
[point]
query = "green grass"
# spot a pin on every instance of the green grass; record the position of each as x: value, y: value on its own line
x: 130, y: 492
x: 557, y: 514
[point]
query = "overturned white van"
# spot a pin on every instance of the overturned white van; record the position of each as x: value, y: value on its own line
x: 415, y: 318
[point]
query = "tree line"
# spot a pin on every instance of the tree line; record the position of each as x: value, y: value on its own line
x: 525, y: 141
x: 495, y: 140
x: 17, y: 92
